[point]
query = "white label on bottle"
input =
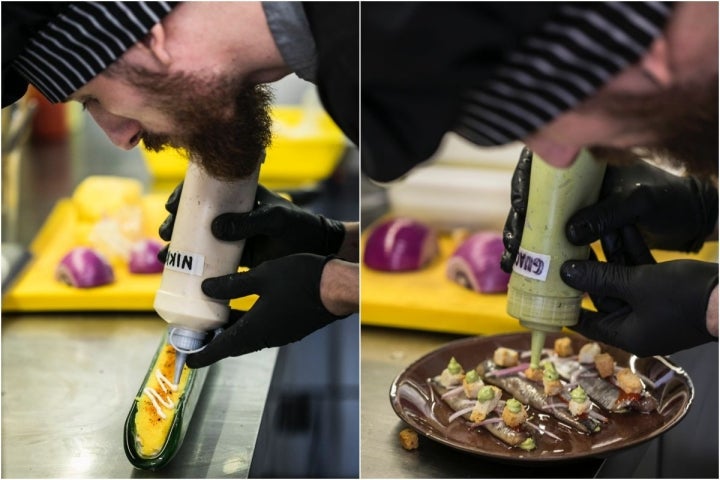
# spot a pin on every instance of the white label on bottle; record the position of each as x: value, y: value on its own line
x: 183, y: 262
x: 532, y: 265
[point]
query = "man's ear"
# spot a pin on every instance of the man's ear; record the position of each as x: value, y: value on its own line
x: 155, y: 43
x: 656, y: 62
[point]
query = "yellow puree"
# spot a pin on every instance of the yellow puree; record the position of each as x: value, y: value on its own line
x: 151, y: 429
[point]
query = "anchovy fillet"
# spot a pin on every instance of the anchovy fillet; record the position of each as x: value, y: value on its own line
x: 603, y: 392
x: 499, y: 430
x: 533, y: 394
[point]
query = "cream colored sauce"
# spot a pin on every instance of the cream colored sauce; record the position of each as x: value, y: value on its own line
x: 156, y: 398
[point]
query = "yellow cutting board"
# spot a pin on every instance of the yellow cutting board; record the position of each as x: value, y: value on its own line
x: 37, y: 290
x: 428, y: 300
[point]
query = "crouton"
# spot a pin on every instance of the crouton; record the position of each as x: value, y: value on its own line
x: 605, y: 364
x: 563, y: 347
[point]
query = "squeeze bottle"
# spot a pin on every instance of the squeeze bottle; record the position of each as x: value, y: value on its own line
x: 537, y: 296
x: 195, y: 254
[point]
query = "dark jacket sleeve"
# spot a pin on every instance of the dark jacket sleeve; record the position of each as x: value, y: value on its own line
x: 335, y: 28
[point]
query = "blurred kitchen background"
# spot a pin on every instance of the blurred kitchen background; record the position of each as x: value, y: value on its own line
x: 300, y: 415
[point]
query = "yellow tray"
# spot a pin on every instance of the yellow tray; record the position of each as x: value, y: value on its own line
x: 305, y: 149
x: 428, y: 300
x: 36, y: 290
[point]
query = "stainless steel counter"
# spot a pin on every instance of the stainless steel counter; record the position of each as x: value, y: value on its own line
x: 69, y: 381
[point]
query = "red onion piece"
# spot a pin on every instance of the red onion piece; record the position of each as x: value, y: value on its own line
x: 508, y: 371
x: 83, y: 267
x: 143, y: 257
x: 487, y: 421
x: 400, y: 244
x: 452, y: 391
x: 460, y: 413
x: 475, y: 264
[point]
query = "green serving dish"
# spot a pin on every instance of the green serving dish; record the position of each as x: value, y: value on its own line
x: 183, y: 414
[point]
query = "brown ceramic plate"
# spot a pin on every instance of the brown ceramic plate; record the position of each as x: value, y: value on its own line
x: 417, y: 404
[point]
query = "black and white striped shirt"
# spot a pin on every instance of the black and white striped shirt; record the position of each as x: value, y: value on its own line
x: 571, y: 57
x: 80, y: 41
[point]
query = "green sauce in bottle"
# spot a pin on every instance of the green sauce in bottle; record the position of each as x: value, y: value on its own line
x: 537, y: 296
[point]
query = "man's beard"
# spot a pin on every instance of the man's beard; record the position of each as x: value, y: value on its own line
x: 683, y: 120
x: 224, y: 126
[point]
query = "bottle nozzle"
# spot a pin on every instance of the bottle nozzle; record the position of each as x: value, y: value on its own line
x: 179, y: 364
x: 184, y: 341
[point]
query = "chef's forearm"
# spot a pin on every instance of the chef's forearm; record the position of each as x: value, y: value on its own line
x: 340, y: 287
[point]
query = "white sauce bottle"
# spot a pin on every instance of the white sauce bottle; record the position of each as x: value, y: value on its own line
x: 195, y: 254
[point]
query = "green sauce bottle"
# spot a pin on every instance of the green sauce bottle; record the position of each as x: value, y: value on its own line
x: 537, y: 296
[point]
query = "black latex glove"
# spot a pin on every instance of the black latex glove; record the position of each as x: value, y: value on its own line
x: 274, y: 228
x: 672, y: 212
x: 519, y: 191
x: 288, y: 308
x: 653, y: 309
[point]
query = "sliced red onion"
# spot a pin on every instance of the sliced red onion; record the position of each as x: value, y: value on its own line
x: 488, y: 421
x: 83, y: 267
x: 143, y: 257
x: 452, y: 392
x: 475, y: 264
x: 460, y: 413
x: 400, y: 244
x: 509, y: 371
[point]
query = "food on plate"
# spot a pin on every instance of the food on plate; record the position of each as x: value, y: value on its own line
x: 472, y: 384
x: 563, y: 347
x: 532, y: 393
x: 534, y: 374
x: 505, y: 357
x: 603, y: 391
x: 475, y: 264
x: 628, y: 381
x: 144, y: 257
x: 83, y: 267
x: 551, y: 379
x: 488, y: 398
x: 604, y: 364
x: 579, y: 403
x: 514, y: 413
x: 588, y: 351
x: 453, y: 374
x: 484, y: 413
x: 156, y: 407
x: 408, y: 439
x: 400, y: 244
x: 569, y: 396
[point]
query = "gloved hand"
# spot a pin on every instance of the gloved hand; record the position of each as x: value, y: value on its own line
x: 654, y: 309
x: 519, y: 192
x: 672, y: 213
x: 273, y: 229
x: 289, y: 307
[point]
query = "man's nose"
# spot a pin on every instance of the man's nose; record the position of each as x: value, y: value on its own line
x: 122, y: 131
